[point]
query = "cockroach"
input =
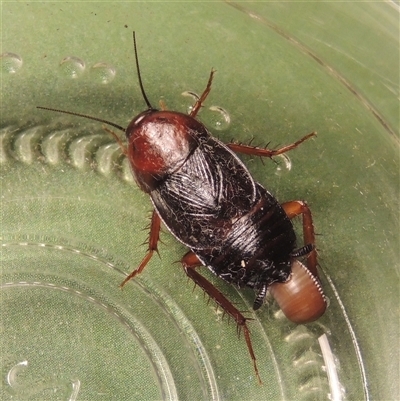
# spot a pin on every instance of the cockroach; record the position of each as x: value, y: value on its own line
x: 206, y: 197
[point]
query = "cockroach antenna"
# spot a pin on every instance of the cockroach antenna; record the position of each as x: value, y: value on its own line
x: 84, y: 116
x: 139, y: 75
x: 100, y: 119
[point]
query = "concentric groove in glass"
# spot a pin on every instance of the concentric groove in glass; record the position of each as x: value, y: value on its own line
x: 135, y: 326
x: 148, y: 344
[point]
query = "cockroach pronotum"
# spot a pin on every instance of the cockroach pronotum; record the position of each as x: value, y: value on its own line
x: 206, y: 197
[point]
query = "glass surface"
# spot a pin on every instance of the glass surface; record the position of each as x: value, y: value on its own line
x: 73, y: 219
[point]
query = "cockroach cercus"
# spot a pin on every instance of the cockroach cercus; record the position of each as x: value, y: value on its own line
x: 208, y: 200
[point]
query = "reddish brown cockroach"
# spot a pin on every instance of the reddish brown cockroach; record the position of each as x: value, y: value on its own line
x: 206, y: 197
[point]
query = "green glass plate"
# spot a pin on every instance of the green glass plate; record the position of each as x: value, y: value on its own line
x: 72, y: 218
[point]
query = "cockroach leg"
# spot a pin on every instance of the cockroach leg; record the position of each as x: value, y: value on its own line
x: 124, y: 150
x: 203, y: 96
x: 263, y: 152
x: 190, y: 262
x: 296, y: 208
x: 154, y: 237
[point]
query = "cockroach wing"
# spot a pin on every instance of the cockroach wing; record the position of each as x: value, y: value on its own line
x: 201, y: 201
